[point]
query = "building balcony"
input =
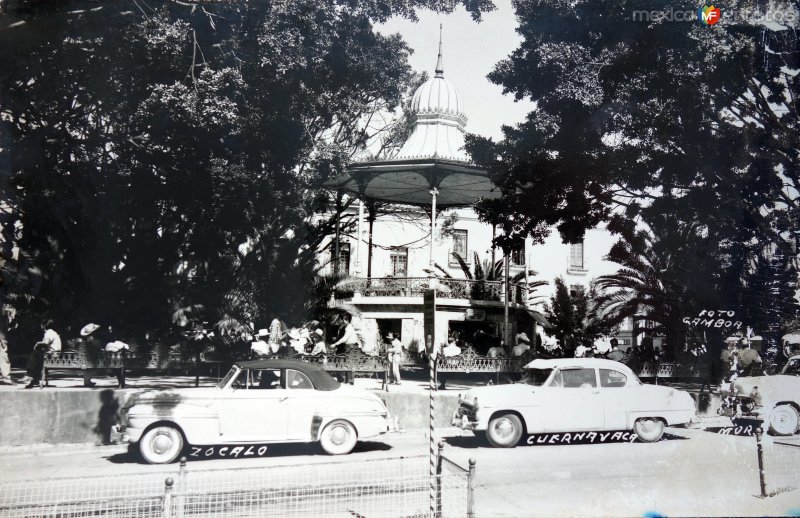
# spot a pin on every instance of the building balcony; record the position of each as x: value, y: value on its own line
x: 464, y: 289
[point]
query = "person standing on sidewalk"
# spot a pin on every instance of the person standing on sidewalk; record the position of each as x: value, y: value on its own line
x: 350, y: 342
x: 395, y: 350
x: 5, y: 364
x: 49, y: 342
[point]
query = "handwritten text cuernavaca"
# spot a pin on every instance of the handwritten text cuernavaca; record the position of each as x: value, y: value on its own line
x: 718, y: 319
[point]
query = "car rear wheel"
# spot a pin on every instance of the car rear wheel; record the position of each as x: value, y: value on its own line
x: 649, y: 429
x: 161, y: 445
x: 784, y: 420
x: 504, y: 431
x: 338, y: 437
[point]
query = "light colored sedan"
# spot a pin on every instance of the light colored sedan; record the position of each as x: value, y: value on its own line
x: 775, y: 400
x: 257, y: 402
x: 572, y: 395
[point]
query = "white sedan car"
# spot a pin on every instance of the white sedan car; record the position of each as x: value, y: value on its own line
x: 257, y: 402
x: 572, y: 395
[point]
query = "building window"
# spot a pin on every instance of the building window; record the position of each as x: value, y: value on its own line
x: 576, y: 264
x: 518, y: 255
x: 344, y: 259
x: 576, y: 256
x: 399, y: 260
x: 459, y: 246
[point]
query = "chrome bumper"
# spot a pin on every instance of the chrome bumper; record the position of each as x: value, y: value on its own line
x: 118, y: 434
x: 463, y: 422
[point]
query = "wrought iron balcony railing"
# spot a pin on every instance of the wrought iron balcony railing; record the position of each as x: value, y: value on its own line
x: 448, y: 288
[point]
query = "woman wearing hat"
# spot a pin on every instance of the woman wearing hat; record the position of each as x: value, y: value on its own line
x: 91, y: 350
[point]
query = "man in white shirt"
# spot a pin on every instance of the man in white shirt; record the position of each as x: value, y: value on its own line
x: 351, y: 343
x: 49, y: 342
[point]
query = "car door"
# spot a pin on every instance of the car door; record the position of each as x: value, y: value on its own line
x: 617, y: 398
x: 304, y: 400
x: 254, y: 408
x: 572, y: 401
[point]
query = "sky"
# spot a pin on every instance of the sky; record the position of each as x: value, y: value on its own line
x: 469, y: 52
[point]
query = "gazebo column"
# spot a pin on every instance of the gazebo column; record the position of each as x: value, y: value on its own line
x: 357, y: 269
x: 431, y: 262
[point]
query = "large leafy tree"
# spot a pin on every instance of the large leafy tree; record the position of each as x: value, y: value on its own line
x: 166, y: 161
x: 646, y: 122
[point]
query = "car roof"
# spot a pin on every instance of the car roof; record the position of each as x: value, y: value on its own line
x: 554, y: 363
x: 319, y: 377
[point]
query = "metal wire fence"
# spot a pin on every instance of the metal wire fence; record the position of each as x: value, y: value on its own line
x: 778, y: 463
x: 394, y: 487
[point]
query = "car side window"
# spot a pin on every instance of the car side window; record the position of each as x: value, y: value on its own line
x: 574, y: 378
x: 297, y: 380
x: 266, y: 379
x: 611, y: 378
x: 793, y: 368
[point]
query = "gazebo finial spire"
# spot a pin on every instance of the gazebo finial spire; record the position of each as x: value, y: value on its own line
x: 439, y: 68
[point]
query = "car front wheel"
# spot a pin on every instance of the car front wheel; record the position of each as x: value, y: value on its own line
x: 649, y: 429
x: 161, y: 445
x: 504, y: 431
x: 784, y: 420
x: 338, y: 437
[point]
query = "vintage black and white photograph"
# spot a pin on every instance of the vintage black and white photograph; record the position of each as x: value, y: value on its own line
x: 399, y: 258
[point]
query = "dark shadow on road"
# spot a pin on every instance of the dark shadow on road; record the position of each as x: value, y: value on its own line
x: 560, y: 439
x: 205, y: 453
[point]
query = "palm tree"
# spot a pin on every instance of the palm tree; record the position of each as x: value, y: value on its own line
x: 640, y: 290
x: 484, y: 271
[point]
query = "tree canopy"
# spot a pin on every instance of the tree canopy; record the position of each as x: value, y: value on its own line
x: 162, y: 164
x: 684, y: 130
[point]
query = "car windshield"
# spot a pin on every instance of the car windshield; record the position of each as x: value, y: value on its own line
x: 536, y: 377
x: 227, y: 378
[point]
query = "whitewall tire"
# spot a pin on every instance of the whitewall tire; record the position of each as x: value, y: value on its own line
x: 504, y: 431
x: 161, y: 444
x: 784, y: 420
x: 339, y: 437
x: 649, y: 429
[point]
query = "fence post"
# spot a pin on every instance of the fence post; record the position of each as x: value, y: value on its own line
x: 166, y: 511
x: 760, y: 448
x: 439, y: 480
x: 471, y: 489
x: 181, y: 488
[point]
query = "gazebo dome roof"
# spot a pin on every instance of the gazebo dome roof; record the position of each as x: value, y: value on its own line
x: 438, y: 96
x: 439, y: 121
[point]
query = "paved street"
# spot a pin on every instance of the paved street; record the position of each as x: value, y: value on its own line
x: 690, y: 473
